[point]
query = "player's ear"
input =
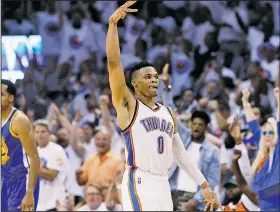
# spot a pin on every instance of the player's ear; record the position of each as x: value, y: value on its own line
x: 134, y: 84
x: 11, y: 98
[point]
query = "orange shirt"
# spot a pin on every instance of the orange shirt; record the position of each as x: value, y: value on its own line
x: 101, y: 170
x: 238, y: 207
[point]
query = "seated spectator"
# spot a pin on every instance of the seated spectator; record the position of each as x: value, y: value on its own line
x: 94, y: 200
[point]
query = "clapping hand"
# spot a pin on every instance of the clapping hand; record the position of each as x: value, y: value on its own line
x: 235, y: 130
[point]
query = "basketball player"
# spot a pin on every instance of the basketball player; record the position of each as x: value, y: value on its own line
x: 16, y: 137
x: 150, y: 132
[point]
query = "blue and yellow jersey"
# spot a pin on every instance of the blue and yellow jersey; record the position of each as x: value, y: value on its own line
x: 13, y: 158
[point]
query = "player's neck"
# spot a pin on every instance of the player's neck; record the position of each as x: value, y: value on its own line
x: 6, y: 112
x: 149, y: 101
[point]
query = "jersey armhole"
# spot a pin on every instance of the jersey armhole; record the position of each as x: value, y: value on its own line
x: 169, y: 111
x: 10, y: 127
x: 133, y: 118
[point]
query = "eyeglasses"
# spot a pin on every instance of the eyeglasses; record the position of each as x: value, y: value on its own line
x: 265, y: 133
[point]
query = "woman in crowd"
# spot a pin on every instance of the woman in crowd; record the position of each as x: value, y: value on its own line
x: 265, y: 169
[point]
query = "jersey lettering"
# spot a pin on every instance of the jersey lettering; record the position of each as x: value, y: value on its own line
x: 154, y: 123
x: 4, y: 151
x: 160, y: 141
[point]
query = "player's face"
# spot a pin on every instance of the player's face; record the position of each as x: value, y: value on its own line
x: 41, y: 135
x: 198, y: 128
x: 268, y: 135
x: 102, y: 142
x: 146, y: 82
x: 93, y: 198
x: 6, y: 98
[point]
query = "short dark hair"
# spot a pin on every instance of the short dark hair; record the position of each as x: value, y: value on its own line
x: 11, y: 89
x: 202, y: 115
x: 133, y: 68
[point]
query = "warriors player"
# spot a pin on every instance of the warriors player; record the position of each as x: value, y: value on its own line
x: 150, y: 132
x: 17, y: 193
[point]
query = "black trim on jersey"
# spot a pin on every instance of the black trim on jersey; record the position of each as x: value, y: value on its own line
x: 170, y: 112
x: 133, y: 118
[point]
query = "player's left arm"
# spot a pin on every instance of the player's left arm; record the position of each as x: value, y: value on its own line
x: 185, y: 161
x: 21, y: 126
x: 182, y: 157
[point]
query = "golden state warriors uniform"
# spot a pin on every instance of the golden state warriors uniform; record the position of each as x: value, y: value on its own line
x: 149, y: 156
x: 13, y: 169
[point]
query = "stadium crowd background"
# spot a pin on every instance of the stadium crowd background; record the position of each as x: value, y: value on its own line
x: 214, y: 50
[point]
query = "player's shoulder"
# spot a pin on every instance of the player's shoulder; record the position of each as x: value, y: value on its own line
x: 20, y: 118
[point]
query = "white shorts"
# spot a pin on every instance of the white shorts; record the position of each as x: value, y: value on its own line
x: 143, y: 191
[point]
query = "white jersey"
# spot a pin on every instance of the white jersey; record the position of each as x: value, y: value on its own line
x: 149, y: 139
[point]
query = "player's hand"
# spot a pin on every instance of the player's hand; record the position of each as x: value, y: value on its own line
x: 235, y: 130
x: 27, y: 204
x: 211, y: 200
x: 245, y: 96
x: 165, y: 75
x: 120, y: 13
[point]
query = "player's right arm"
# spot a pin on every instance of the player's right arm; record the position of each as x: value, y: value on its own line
x: 123, y: 100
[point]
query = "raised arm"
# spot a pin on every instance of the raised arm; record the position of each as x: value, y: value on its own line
x: 250, y: 116
x: 21, y: 126
x: 185, y: 161
x: 241, y: 181
x: 277, y: 96
x: 122, y: 98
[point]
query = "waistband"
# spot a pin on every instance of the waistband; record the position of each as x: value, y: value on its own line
x: 146, y: 174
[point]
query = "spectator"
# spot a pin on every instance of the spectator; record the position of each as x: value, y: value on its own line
x: 19, y: 25
x: 54, y: 168
x: 212, y: 49
x: 94, y: 199
x: 49, y: 24
x: 101, y: 167
x: 265, y: 167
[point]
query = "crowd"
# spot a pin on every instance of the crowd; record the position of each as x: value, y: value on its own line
x: 219, y: 65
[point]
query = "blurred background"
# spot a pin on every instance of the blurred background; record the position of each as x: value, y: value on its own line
x: 55, y: 53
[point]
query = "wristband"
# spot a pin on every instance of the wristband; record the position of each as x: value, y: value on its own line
x: 204, y: 185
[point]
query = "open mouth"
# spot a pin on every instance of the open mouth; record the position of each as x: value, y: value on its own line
x: 196, y: 131
x: 154, y: 87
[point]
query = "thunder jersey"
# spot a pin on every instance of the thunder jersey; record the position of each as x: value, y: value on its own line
x: 12, y: 153
x: 149, y: 139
